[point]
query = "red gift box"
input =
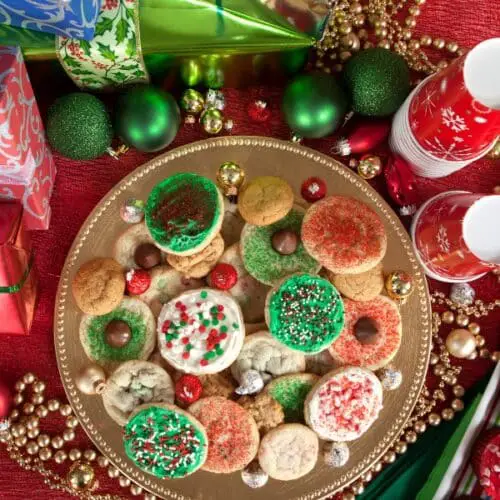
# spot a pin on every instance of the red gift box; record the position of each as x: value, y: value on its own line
x: 27, y: 169
x: 18, y: 284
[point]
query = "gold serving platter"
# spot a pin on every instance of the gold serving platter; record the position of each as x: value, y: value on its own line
x: 258, y: 156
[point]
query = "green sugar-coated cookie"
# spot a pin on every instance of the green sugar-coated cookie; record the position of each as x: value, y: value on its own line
x: 165, y: 441
x: 305, y: 313
x: 263, y: 262
x: 183, y: 213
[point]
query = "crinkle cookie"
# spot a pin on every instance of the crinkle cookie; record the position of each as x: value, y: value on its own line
x: 265, y: 410
x: 268, y: 356
x: 359, y: 287
x: 135, y: 383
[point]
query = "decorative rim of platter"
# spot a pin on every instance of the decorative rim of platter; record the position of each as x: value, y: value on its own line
x: 154, y: 485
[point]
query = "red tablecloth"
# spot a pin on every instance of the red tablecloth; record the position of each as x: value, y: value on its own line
x: 80, y: 186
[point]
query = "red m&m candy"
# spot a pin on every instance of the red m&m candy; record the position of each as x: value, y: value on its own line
x: 188, y: 389
x: 313, y: 189
x: 223, y: 276
x: 138, y: 281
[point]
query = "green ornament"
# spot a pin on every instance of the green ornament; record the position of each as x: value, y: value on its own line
x: 314, y: 105
x: 192, y: 101
x: 147, y: 118
x: 79, y: 127
x: 212, y: 121
x: 378, y: 81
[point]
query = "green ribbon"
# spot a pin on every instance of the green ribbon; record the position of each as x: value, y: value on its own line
x: 17, y: 287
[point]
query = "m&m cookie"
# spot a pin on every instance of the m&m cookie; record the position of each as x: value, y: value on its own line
x: 201, y: 331
x: 343, y: 404
x: 344, y: 235
x: 184, y: 213
x: 305, y: 313
x: 371, y: 335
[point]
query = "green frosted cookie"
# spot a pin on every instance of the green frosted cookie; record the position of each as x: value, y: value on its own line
x: 291, y: 391
x: 263, y: 262
x: 165, y: 441
x: 305, y: 313
x: 183, y: 213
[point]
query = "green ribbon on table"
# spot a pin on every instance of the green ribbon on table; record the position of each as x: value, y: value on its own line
x: 18, y: 286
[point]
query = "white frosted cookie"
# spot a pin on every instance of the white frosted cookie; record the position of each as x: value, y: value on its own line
x: 289, y: 451
x: 166, y: 283
x: 343, y: 404
x: 232, y: 223
x: 248, y: 292
x: 269, y: 357
x: 135, y: 383
x: 201, y: 331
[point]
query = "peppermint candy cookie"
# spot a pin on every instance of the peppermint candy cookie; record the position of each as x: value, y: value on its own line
x: 126, y: 333
x: 233, y: 437
x: 289, y: 451
x: 165, y: 441
x: 201, y: 331
x: 305, y: 313
x: 266, y: 264
x: 266, y: 355
x: 344, y: 235
x: 371, y: 335
x: 133, y: 384
x: 343, y: 404
x: 184, y: 213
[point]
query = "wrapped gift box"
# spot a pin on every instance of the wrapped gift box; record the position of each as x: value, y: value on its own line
x: 27, y: 170
x: 18, y: 285
x: 71, y: 18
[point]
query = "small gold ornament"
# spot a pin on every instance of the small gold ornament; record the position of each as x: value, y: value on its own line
x: 230, y: 178
x: 81, y: 476
x: 369, y: 167
x: 494, y: 152
x: 399, y: 285
x: 192, y: 101
x: 460, y: 343
x: 91, y: 380
x: 212, y: 121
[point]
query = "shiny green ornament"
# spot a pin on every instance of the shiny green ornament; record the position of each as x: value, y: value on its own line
x: 78, y: 126
x: 212, y: 121
x: 192, y: 101
x: 314, y: 105
x: 378, y: 81
x: 147, y: 118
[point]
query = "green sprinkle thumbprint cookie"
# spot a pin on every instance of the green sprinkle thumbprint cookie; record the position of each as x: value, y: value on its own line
x: 183, y: 213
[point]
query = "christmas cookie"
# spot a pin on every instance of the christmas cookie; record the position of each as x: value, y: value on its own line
x: 264, y: 262
x: 266, y: 355
x: 371, y: 336
x: 217, y: 384
x: 98, y: 286
x: 265, y: 410
x: 248, y: 292
x: 288, y: 452
x: 359, y: 287
x: 201, y: 331
x: 343, y: 404
x: 305, y: 313
x: 201, y: 263
x: 184, y: 213
x: 344, y: 235
x: 291, y: 391
x: 126, y: 333
x: 166, y: 283
x: 165, y: 441
x: 265, y: 200
x: 233, y: 437
x: 135, y: 383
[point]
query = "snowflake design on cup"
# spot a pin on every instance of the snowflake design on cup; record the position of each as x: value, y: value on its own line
x: 439, y: 150
x: 453, y: 121
x: 442, y: 239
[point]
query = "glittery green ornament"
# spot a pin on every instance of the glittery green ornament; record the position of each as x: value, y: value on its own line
x: 378, y: 81
x: 79, y: 127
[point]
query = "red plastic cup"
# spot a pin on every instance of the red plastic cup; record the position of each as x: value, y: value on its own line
x: 457, y: 235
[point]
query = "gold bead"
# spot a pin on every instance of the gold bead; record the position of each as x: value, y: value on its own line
x: 18, y: 399
x: 400, y: 447
x: 102, y: 461
x: 367, y: 477
x: 452, y: 47
x: 439, y: 394
x: 442, y: 64
x: 406, y: 34
x: 495, y: 356
x: 33, y: 433
x: 449, y: 378
x: 439, y: 370
x: 410, y: 21
x: 113, y: 472
x: 474, y: 328
x: 434, y: 359
x: 368, y: 45
x: 348, y: 495
x: 480, y: 340
x: 426, y: 40
x: 91, y: 379
x: 359, y: 20
x: 20, y: 386
x: 43, y: 440
x: 414, y: 44
x: 124, y: 481
x: 37, y: 399
x: 414, y: 10
x: 484, y: 353
x: 135, y: 489
x: 14, y: 414
x: 18, y: 430
x: 350, y: 42
x: 45, y: 454
x: 68, y: 435
x: 389, y: 457
x: 460, y: 343
x: 458, y: 391
x: 462, y: 320
x: 457, y: 405
x: 60, y: 456
x: 420, y: 426
x: 31, y: 448
x: 20, y: 441
x: 57, y: 442
x: 89, y: 455
x: 39, y: 386
x: 42, y: 411
x: 438, y: 43
x: 32, y: 422
x: 149, y: 496
x: 28, y: 408
x: 74, y: 454
x: 71, y: 422
x: 448, y: 317
x: 434, y: 419
x: 473, y: 356
x: 419, y: 2
x: 357, y: 488
x: 81, y: 476
x: 53, y: 405
x: 447, y: 414
x: 383, y: 44
x: 410, y: 437
x: 65, y: 410
x: 381, y: 32
x: 345, y: 28
x: 356, y: 8
x: 29, y: 378
x: 378, y: 465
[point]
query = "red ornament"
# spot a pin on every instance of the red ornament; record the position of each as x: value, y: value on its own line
x: 259, y: 111
x: 401, y: 183
x: 362, y: 136
x: 485, y: 461
x: 138, y: 281
x: 313, y: 189
x: 223, y: 276
x: 188, y: 389
x: 5, y: 400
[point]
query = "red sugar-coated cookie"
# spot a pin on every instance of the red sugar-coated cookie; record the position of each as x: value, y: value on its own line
x: 344, y: 235
x: 378, y: 350
x: 486, y: 461
x: 233, y: 437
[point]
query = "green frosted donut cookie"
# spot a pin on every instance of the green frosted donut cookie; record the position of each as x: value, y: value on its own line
x: 305, y: 313
x: 263, y: 262
x: 165, y: 441
x: 291, y: 391
x: 183, y: 213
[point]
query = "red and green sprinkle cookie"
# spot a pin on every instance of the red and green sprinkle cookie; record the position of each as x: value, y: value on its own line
x: 165, y: 441
x: 305, y: 313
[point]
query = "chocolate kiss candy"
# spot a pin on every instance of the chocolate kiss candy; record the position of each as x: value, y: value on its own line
x: 118, y: 333
x: 147, y: 256
x: 285, y: 241
x: 365, y: 330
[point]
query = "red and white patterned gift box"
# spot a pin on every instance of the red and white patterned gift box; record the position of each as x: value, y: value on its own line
x: 27, y: 169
